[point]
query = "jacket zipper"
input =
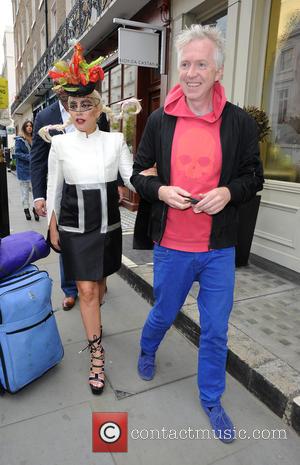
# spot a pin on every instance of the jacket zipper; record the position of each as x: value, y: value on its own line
x: 163, y: 223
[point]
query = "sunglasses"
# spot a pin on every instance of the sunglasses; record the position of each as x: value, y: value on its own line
x: 84, y: 105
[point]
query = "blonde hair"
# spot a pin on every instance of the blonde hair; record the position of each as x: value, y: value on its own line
x: 96, y: 96
x: 198, y: 32
x: 125, y: 104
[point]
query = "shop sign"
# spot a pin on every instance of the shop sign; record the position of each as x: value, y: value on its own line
x: 3, y: 93
x: 138, y: 48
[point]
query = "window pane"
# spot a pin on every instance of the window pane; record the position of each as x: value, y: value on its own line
x: 286, y: 60
x: 219, y: 21
x: 116, y: 124
x: 105, y: 89
x: 281, y: 93
x: 115, y: 82
x: 130, y: 78
x: 129, y: 128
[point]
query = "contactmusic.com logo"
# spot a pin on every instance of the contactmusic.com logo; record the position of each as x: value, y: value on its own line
x: 110, y: 431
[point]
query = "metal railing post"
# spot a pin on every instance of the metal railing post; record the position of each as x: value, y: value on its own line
x: 4, y: 214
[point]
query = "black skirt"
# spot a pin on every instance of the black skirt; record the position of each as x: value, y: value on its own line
x: 90, y: 231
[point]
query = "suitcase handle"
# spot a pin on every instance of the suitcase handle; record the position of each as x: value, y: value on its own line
x: 19, y: 277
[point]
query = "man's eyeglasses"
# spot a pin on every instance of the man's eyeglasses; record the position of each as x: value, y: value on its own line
x: 85, y: 105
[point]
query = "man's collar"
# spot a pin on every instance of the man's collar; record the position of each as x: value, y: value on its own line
x: 62, y: 108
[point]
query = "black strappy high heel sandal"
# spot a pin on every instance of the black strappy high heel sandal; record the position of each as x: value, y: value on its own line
x: 96, y: 378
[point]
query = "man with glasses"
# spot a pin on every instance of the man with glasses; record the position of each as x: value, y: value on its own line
x: 57, y: 113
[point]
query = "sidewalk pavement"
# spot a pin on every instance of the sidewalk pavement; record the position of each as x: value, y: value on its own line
x: 50, y: 421
x: 264, y: 329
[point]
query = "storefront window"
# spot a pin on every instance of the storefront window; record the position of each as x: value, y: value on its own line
x: 105, y: 89
x: 118, y: 85
x: 115, y: 125
x: 115, y: 83
x: 130, y: 78
x: 281, y: 92
x: 219, y: 21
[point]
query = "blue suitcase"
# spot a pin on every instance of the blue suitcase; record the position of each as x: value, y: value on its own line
x: 29, y: 339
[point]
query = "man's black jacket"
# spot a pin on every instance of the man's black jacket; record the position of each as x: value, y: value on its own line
x: 40, y: 149
x: 241, y: 171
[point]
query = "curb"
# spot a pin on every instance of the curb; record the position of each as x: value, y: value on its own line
x: 270, y: 379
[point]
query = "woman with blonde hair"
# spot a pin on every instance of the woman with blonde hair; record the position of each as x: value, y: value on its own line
x: 82, y: 198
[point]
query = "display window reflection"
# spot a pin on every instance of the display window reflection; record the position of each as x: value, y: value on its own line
x: 119, y: 84
x: 281, y: 93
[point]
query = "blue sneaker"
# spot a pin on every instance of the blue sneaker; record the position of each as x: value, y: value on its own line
x: 220, y: 422
x: 146, y: 366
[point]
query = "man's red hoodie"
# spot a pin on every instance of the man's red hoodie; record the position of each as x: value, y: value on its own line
x: 196, y: 161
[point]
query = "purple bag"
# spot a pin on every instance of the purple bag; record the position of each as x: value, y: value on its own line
x: 20, y: 249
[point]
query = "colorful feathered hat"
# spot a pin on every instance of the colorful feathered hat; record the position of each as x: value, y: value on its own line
x: 77, y: 77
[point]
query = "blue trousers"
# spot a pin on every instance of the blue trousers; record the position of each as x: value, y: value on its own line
x: 174, y: 273
x: 68, y: 287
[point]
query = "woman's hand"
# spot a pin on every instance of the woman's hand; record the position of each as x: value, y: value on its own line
x: 54, y: 238
x: 53, y: 232
x: 149, y: 172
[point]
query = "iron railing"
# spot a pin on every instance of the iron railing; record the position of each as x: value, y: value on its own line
x: 76, y: 23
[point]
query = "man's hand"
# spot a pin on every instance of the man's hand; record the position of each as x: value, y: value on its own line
x: 174, y: 197
x: 213, y: 201
x: 150, y: 171
x: 40, y: 207
x: 121, y: 192
x: 54, y: 238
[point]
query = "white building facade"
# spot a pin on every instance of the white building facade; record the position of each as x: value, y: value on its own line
x: 8, y: 71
